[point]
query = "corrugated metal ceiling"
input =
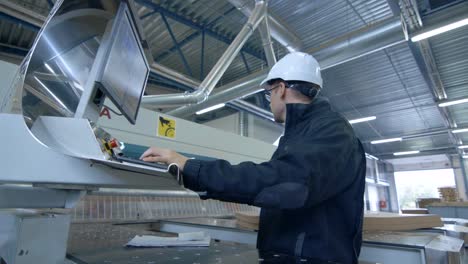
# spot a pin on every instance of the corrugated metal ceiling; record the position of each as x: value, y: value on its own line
x: 39, y: 6
x: 317, y: 22
x: 387, y: 85
x: 217, y: 16
x: 451, y: 55
x: 15, y: 35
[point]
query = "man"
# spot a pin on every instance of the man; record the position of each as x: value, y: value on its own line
x: 311, y: 191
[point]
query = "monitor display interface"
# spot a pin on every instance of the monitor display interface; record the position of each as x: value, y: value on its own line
x: 125, y: 73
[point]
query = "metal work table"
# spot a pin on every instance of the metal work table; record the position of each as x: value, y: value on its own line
x: 456, y: 221
x: 406, y: 247
x: 217, y: 228
x: 455, y: 230
x: 104, y: 243
x: 411, y: 247
x: 460, y: 232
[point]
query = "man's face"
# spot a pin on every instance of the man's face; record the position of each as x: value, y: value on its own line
x: 274, y: 95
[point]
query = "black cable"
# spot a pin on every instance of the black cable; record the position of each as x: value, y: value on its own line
x: 113, y: 111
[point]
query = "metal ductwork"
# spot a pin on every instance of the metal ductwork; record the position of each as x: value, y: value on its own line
x: 279, y: 31
x: 253, y: 109
x: 217, y: 71
x: 239, y: 105
x: 264, y: 30
x: 235, y: 90
x: 359, y: 43
x: 173, y: 75
x: 38, y: 20
x: 362, y: 42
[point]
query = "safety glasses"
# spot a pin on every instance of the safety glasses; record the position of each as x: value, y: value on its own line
x: 268, y: 92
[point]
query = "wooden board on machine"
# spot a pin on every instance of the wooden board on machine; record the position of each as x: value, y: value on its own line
x: 415, y: 211
x: 372, y: 221
x: 248, y: 217
x: 248, y: 220
x: 247, y: 226
x: 400, y: 222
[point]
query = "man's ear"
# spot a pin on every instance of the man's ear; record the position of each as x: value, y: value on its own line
x: 282, y: 90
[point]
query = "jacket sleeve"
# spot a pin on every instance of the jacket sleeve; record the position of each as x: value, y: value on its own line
x: 304, y: 174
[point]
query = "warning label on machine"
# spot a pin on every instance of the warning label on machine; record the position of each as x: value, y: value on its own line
x: 166, y: 127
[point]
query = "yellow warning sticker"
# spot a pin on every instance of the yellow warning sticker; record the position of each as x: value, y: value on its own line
x: 166, y: 127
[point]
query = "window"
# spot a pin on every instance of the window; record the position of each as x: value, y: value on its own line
x: 412, y: 185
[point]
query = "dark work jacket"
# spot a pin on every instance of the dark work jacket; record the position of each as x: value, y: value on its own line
x: 311, y: 191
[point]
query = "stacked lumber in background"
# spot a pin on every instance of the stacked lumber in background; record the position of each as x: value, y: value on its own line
x: 448, y: 194
x: 424, y: 202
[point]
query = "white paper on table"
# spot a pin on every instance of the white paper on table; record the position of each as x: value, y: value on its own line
x: 192, y: 236
x: 156, y: 241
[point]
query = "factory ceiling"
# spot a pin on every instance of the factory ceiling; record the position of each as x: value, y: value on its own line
x: 400, y: 84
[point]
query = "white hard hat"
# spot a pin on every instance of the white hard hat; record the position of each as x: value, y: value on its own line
x: 296, y: 66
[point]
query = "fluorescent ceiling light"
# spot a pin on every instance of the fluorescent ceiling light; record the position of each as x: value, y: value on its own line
x: 460, y: 130
x: 406, y: 153
x: 465, y: 156
x: 211, y: 108
x: 454, y: 102
x: 365, y: 119
x: 386, y: 140
x: 463, y: 147
x: 49, y: 68
x: 440, y: 30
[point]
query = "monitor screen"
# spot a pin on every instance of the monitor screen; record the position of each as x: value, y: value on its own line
x: 125, y: 72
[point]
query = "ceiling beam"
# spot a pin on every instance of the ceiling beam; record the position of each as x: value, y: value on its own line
x: 191, y: 37
x: 208, y: 30
x: 23, y: 14
x: 280, y: 31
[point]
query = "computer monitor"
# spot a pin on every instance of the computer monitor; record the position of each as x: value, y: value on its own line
x: 125, y: 71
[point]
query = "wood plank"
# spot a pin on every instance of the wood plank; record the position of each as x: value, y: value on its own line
x: 400, y: 222
x: 415, y: 211
x: 372, y: 221
x: 247, y: 226
x: 248, y: 217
